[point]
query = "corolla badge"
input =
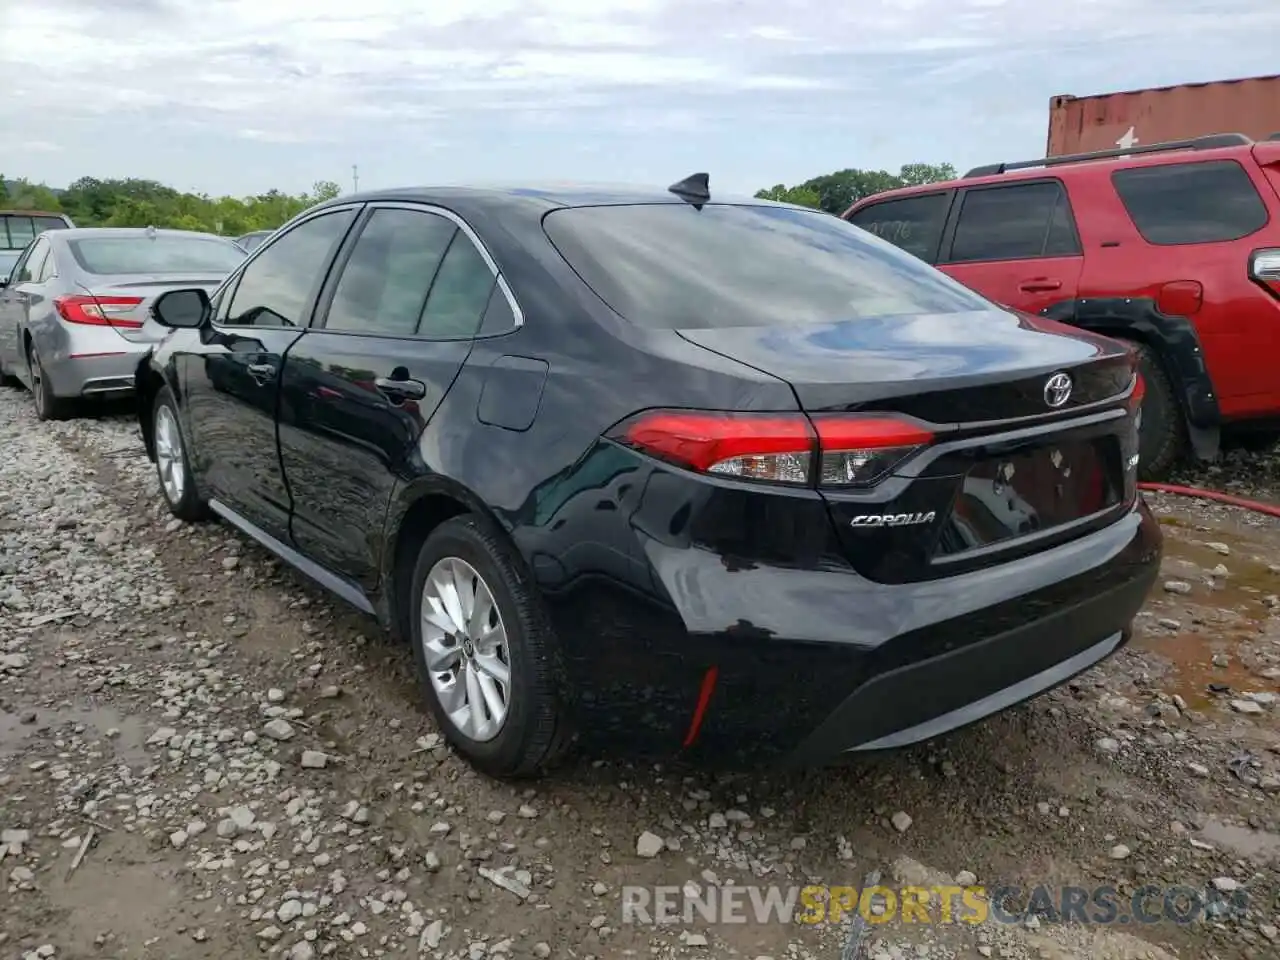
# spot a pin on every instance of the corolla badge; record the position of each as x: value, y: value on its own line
x: 1057, y: 389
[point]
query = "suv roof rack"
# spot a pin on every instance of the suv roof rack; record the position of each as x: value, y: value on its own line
x: 1212, y: 142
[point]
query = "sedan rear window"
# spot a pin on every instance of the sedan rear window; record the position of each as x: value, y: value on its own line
x: 671, y: 266
x: 160, y: 254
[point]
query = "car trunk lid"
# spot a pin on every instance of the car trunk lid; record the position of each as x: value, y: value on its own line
x: 1033, y: 433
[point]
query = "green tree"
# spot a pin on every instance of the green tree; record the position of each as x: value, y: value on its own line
x: 836, y: 192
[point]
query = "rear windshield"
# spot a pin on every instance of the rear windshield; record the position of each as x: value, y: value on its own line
x: 161, y: 254
x: 672, y: 266
x: 18, y: 230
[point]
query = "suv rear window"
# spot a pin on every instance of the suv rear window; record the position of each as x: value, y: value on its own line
x: 18, y: 230
x: 667, y: 265
x: 1210, y: 201
x: 912, y: 223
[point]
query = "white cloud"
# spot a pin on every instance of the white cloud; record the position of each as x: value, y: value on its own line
x: 246, y: 94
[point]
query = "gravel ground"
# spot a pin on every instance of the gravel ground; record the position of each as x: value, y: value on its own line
x: 203, y: 756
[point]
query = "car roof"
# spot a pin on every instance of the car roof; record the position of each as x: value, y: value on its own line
x: 1153, y: 155
x: 533, y: 199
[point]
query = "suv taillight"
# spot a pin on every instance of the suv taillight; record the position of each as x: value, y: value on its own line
x: 1264, y: 269
x: 99, y: 311
x: 836, y: 450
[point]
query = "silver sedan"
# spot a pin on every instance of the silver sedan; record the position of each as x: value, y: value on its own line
x: 75, y: 310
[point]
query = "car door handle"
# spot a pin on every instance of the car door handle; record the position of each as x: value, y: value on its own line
x: 401, y: 389
x: 262, y: 372
x: 1039, y: 285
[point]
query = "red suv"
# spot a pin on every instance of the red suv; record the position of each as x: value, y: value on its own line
x: 1174, y: 247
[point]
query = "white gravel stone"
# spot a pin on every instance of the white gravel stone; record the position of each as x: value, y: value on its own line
x: 649, y: 845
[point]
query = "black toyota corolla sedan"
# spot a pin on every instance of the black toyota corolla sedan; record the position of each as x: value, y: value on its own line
x: 680, y: 473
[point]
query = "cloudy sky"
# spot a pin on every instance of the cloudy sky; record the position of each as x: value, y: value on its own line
x: 238, y: 96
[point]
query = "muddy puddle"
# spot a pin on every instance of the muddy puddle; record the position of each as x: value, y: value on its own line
x: 1220, y: 640
x: 125, y: 734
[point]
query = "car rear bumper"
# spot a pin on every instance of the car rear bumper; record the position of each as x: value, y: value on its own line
x: 98, y: 370
x: 751, y: 664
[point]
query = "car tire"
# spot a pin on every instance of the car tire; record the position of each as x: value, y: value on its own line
x: 1163, y: 436
x: 49, y: 406
x: 173, y: 465
x: 524, y: 731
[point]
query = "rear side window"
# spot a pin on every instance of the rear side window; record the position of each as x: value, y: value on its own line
x: 21, y: 231
x: 912, y: 223
x: 384, y: 284
x: 1206, y: 202
x: 1016, y: 222
x: 460, y: 293
x: 667, y: 265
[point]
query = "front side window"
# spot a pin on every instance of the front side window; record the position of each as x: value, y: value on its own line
x: 384, y: 284
x: 276, y: 289
x: 1008, y: 223
x: 668, y: 265
x: 1209, y: 201
x: 912, y: 223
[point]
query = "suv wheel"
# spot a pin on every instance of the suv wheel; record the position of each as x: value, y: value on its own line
x: 1163, y: 436
x: 49, y: 406
x: 484, y: 650
x: 173, y: 467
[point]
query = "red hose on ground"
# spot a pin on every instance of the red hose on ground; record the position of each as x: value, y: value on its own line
x: 1256, y: 506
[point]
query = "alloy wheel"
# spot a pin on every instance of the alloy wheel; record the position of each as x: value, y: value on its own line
x: 465, y: 649
x: 169, y: 460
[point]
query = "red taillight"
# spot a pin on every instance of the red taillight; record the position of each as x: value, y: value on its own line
x: 837, y: 450
x: 99, y: 311
x: 1264, y: 270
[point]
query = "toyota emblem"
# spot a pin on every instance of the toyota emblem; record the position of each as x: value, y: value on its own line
x: 1057, y: 389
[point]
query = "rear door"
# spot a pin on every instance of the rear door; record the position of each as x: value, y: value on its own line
x: 396, y: 324
x: 1015, y: 244
x: 913, y: 223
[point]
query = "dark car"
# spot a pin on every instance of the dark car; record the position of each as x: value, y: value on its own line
x: 1174, y: 247
x: 721, y: 478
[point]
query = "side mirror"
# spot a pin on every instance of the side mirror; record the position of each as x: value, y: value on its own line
x: 182, y: 309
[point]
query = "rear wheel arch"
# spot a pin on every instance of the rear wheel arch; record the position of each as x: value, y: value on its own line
x: 1171, y: 340
x: 415, y: 515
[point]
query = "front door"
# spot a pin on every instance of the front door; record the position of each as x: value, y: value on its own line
x: 232, y: 379
x: 391, y: 333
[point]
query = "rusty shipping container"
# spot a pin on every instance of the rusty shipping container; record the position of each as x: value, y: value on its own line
x: 1135, y: 117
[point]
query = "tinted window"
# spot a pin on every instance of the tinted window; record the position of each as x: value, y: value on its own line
x: 1062, y: 240
x: 163, y: 253
x: 21, y: 231
x: 384, y: 284
x: 459, y: 294
x: 669, y: 265
x: 1005, y: 223
x: 912, y: 223
x: 1204, y: 202
x: 41, y: 224
x: 276, y: 288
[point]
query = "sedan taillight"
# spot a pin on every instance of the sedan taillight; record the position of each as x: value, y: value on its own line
x: 835, y: 450
x: 99, y: 311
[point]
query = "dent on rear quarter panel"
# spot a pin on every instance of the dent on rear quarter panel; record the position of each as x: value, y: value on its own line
x: 512, y: 392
